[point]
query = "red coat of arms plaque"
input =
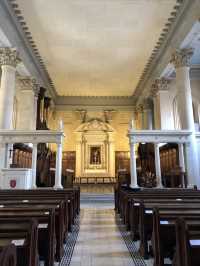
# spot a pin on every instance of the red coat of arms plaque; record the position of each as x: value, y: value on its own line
x: 13, y: 183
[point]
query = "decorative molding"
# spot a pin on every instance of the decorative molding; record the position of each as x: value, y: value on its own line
x: 9, y: 56
x: 102, y: 103
x: 31, y: 136
x: 159, y: 136
x: 95, y: 124
x: 108, y: 115
x: 181, y: 58
x: 18, y: 33
x: 140, y: 108
x: 82, y: 114
x: 161, y: 84
x: 27, y: 83
x: 35, y: 87
x: 177, y: 15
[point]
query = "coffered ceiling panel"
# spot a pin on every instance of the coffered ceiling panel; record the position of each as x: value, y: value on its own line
x: 95, y: 47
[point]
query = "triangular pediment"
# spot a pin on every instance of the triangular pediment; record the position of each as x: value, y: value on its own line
x: 95, y: 124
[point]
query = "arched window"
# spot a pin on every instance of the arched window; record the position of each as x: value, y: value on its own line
x: 177, y: 124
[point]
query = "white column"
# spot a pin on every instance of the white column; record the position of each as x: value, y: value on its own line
x: 58, y: 173
x: 157, y: 165
x: 181, y: 157
x: 111, y: 159
x: 27, y: 104
x: 111, y: 155
x: 180, y: 59
x: 140, y: 116
x: 156, y: 120
x: 79, y: 159
x: 34, y: 165
x: 133, y: 168
x: 147, y: 115
x: 181, y: 161
x: 9, y: 150
x: 163, y: 110
x: 8, y: 61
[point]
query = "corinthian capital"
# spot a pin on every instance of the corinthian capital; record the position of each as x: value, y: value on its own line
x: 35, y: 87
x: 27, y: 83
x: 9, y: 56
x: 182, y: 57
x: 159, y: 85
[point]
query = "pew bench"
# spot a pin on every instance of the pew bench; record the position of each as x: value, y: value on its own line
x: 133, y: 217
x: 68, y: 196
x: 24, y: 235
x: 164, y: 231
x: 46, y: 228
x: 8, y: 255
x: 187, y: 243
x: 59, y: 220
x: 146, y: 216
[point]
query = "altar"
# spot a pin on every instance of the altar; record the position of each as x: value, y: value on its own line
x: 95, y: 153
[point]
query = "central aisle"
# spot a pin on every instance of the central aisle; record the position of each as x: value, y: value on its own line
x: 99, y: 242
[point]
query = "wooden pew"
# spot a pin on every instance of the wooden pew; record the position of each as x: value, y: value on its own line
x: 146, y: 219
x: 8, y: 255
x: 46, y: 232
x: 71, y: 194
x: 59, y: 217
x: 164, y: 236
x: 26, y: 199
x: 24, y: 234
x: 187, y: 243
x: 44, y: 195
x: 125, y: 196
x: 135, y: 206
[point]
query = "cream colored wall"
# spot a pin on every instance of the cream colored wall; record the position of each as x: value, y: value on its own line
x: 71, y: 120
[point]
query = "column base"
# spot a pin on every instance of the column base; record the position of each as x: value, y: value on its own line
x: 134, y: 188
x: 190, y: 186
x: 160, y: 186
x: 34, y: 187
x: 58, y: 187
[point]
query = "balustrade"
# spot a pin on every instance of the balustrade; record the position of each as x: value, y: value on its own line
x: 35, y: 137
x: 158, y: 137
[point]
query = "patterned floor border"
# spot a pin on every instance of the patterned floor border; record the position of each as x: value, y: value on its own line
x: 70, y: 243
x: 132, y: 247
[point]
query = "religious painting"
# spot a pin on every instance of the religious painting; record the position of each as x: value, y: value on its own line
x: 95, y: 155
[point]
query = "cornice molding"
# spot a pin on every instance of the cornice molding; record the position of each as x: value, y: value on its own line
x: 176, y: 19
x: 18, y: 32
x: 102, y: 103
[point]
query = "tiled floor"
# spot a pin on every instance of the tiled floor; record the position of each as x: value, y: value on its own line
x: 97, y: 189
x: 100, y: 242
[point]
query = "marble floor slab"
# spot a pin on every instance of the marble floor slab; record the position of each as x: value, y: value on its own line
x: 100, y: 241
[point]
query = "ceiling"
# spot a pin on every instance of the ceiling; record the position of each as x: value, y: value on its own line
x: 95, y: 47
